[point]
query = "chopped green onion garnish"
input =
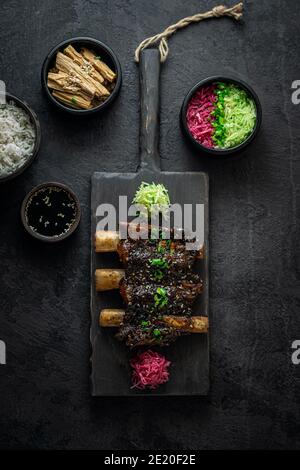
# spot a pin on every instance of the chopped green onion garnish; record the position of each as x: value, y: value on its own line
x: 161, y: 297
x: 160, y: 263
x: 156, y: 332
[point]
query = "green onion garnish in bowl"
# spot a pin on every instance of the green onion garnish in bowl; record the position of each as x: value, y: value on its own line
x: 221, y: 116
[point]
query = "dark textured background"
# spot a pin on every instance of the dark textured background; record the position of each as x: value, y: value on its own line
x: 255, y: 262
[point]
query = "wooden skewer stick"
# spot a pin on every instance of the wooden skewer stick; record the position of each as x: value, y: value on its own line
x: 113, y: 317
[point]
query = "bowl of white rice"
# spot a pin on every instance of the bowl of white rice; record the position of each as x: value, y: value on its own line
x: 20, y: 137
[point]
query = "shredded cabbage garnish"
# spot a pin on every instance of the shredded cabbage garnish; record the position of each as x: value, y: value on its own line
x: 234, y: 116
x: 152, y: 196
x: 150, y: 369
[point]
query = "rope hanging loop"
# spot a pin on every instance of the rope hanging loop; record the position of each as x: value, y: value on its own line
x: 235, y: 12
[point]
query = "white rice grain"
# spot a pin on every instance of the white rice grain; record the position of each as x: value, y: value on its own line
x: 17, y: 138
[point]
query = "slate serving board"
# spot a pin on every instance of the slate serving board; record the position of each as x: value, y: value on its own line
x: 111, y: 373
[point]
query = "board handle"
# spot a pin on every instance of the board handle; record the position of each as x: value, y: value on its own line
x: 150, y: 100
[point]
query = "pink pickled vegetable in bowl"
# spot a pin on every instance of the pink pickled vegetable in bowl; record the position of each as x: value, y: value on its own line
x: 221, y: 116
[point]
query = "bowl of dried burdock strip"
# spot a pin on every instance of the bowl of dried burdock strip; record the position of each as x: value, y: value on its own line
x: 81, y: 76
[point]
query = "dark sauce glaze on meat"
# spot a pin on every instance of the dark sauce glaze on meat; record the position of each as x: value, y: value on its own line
x: 138, y: 252
x: 137, y: 335
x: 159, y: 281
x: 179, y: 299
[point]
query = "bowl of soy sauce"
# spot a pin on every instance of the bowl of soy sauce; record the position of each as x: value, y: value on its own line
x: 51, y: 212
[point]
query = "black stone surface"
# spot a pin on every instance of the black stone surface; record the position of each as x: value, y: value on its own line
x: 189, y: 355
x: 255, y: 263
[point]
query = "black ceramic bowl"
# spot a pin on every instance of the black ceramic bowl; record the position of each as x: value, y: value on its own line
x: 33, y: 208
x: 35, y: 122
x: 106, y: 54
x: 220, y: 152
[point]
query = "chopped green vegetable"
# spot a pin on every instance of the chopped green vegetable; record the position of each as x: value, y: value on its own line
x: 161, y: 291
x: 161, y: 297
x: 161, y: 263
x: 234, y: 116
x: 165, y: 245
x: 161, y: 248
x: 73, y: 99
x: 156, y: 332
x: 154, y: 197
x: 158, y: 275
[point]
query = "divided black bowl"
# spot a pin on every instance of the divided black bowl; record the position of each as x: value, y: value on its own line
x: 107, y: 55
x: 51, y: 212
x: 35, y: 122
x: 218, y: 152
